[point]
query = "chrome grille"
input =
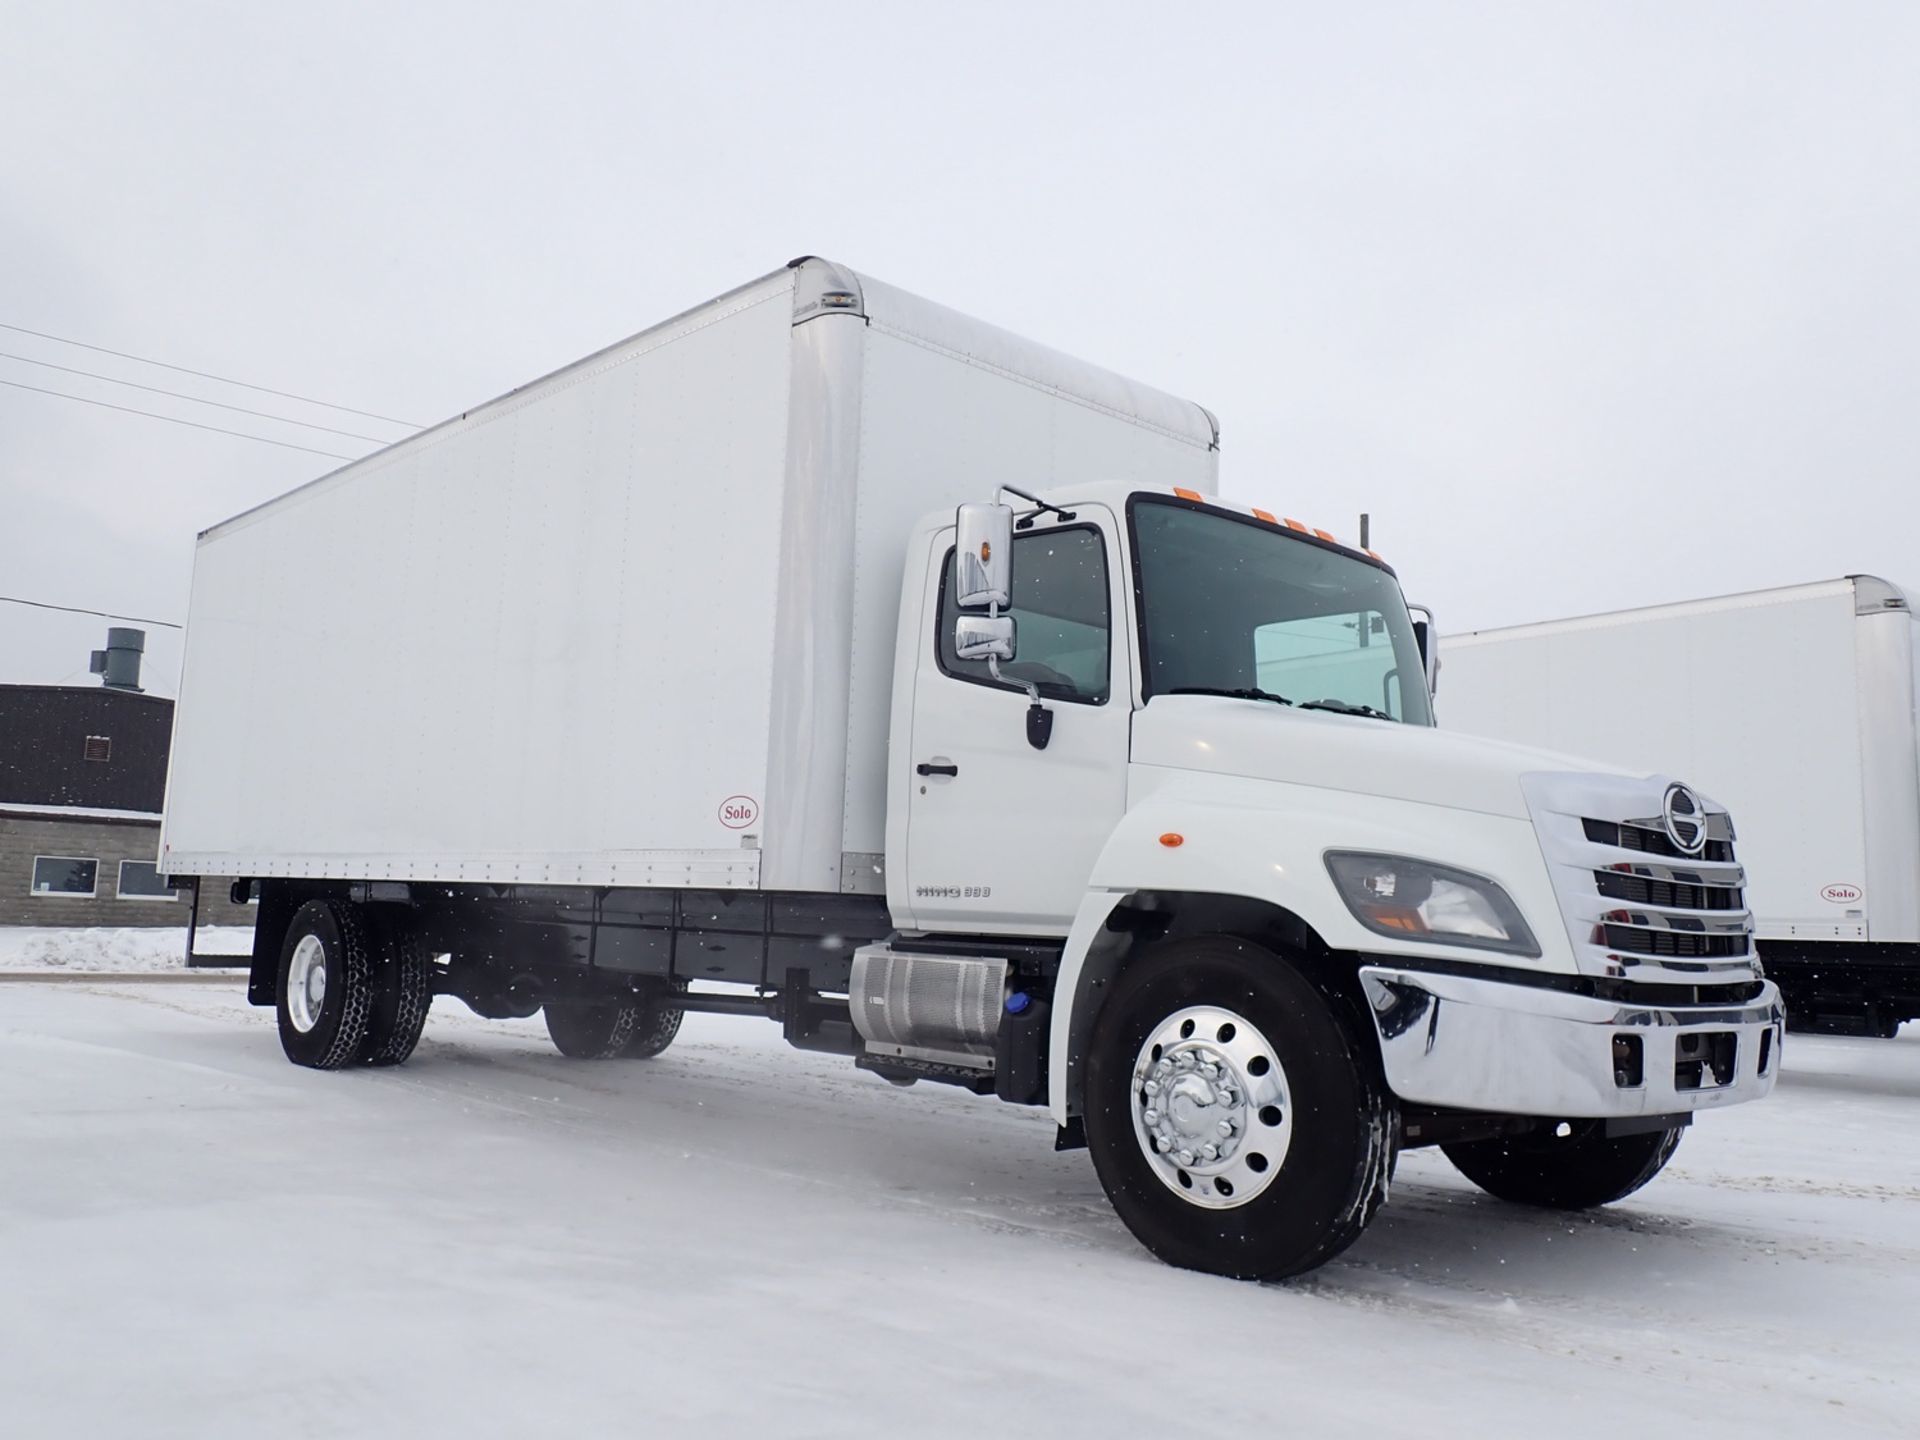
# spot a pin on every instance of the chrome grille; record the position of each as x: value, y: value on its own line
x: 1648, y: 836
x: 1634, y: 933
x: 1641, y: 887
x: 1637, y: 908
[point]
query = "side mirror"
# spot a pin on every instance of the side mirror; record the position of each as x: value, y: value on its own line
x: 984, y: 637
x: 983, y: 552
x: 1428, y: 639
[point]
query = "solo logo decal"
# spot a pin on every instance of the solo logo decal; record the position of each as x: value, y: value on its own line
x: 1842, y: 894
x: 737, y: 812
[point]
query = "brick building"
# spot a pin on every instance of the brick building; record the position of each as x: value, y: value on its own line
x: 83, y: 772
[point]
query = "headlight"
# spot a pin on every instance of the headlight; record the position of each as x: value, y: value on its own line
x: 1418, y: 900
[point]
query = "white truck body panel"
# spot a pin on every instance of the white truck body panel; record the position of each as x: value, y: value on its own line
x: 1793, y: 707
x: 550, y: 640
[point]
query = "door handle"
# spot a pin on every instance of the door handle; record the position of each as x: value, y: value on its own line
x: 942, y: 768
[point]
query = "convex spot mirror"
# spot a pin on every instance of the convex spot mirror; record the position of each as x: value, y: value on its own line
x: 983, y: 548
x: 983, y: 637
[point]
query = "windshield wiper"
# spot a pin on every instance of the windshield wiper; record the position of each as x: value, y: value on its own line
x: 1341, y: 707
x: 1246, y: 692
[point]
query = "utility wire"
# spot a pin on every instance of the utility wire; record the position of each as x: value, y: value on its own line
x: 204, y: 375
x: 197, y: 400
x: 76, y: 610
x: 176, y: 420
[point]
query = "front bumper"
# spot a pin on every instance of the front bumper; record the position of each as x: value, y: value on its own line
x: 1475, y: 1043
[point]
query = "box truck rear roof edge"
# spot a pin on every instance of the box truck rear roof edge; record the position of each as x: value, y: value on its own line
x: 1872, y: 596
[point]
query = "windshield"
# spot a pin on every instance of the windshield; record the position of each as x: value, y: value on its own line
x: 1228, y: 604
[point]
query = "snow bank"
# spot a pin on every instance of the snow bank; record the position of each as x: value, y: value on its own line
x: 116, y: 949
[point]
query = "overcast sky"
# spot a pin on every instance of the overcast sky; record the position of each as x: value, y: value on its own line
x: 1591, y: 306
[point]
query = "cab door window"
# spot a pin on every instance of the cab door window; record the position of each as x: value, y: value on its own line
x: 1061, y: 615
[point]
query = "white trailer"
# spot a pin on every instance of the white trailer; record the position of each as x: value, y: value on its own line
x: 709, y: 674
x: 1795, y: 706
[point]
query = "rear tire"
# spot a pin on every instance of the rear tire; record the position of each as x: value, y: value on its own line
x: 403, y: 991
x: 592, y: 1031
x: 1307, y: 1143
x: 657, y: 1024
x: 1576, y: 1171
x: 324, y: 995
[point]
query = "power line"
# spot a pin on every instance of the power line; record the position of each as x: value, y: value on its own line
x: 197, y: 400
x: 176, y: 420
x: 76, y: 610
x: 205, y: 375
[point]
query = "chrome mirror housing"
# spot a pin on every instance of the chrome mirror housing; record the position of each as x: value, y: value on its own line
x: 1428, y: 639
x: 983, y: 554
x: 984, y: 637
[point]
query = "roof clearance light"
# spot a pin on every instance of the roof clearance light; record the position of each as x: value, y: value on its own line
x: 1188, y: 494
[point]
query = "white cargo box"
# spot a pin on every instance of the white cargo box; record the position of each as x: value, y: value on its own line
x: 1792, y: 707
x: 631, y: 624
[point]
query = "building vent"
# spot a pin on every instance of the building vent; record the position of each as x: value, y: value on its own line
x: 118, y: 666
x: 99, y: 747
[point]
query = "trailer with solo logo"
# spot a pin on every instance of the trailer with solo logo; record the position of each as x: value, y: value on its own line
x: 1796, y: 707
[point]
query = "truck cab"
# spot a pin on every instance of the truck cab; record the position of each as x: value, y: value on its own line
x: 1202, y: 760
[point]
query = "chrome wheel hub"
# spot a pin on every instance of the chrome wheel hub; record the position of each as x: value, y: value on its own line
x: 307, y: 983
x: 1210, y: 1107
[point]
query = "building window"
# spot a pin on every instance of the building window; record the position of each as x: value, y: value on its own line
x: 64, y: 875
x: 98, y: 747
x: 141, y: 880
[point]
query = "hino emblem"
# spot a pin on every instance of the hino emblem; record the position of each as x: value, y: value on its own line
x: 1686, y: 819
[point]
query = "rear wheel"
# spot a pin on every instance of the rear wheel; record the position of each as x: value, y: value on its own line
x: 1574, y: 1170
x: 656, y: 1025
x: 593, y: 1031
x: 403, y: 991
x: 325, y: 995
x: 1231, y: 1117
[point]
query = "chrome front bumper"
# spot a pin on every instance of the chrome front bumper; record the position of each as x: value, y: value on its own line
x: 1485, y: 1044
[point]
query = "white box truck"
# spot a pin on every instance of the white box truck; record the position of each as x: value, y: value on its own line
x: 1795, y: 706
x: 710, y: 673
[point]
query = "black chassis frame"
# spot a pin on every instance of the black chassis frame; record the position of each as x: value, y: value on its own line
x: 508, y: 950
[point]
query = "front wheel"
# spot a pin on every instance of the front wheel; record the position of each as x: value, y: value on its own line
x: 1574, y: 1166
x: 1232, y: 1118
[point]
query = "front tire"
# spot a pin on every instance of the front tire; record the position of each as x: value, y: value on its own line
x: 325, y: 993
x: 1232, y: 1118
x: 597, y: 1031
x: 1574, y: 1171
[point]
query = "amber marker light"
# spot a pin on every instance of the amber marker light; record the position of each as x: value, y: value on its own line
x: 1173, y: 840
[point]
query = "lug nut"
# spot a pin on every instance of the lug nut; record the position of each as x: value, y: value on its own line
x: 1209, y: 1152
x: 1225, y: 1127
x: 1185, y: 1157
x: 1152, y: 1117
x: 1152, y: 1087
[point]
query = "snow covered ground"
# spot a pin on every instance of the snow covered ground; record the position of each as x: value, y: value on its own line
x: 121, y: 948
x: 198, y: 1239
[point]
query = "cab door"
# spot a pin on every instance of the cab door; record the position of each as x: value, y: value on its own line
x: 1001, y: 837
